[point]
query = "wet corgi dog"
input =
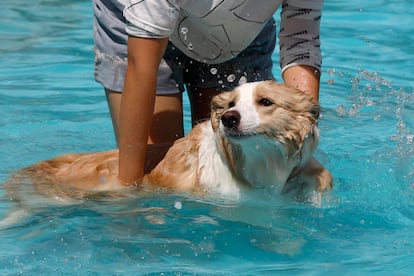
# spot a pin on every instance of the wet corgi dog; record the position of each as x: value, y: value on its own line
x: 260, y: 135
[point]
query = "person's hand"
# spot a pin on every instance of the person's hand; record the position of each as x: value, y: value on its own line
x: 303, y: 77
x: 117, y: 181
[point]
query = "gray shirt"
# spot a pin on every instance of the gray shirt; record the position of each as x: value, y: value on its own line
x: 214, y: 31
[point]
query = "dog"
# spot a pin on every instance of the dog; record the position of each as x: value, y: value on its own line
x: 261, y: 136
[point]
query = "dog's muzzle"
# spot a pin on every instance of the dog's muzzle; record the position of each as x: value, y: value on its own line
x: 231, y: 119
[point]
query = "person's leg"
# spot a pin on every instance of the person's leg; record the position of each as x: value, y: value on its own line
x: 167, y: 123
x: 114, y: 104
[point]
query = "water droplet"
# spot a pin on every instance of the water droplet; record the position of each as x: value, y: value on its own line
x: 178, y: 205
x: 184, y: 30
x: 213, y: 70
x: 410, y: 139
x: 242, y: 80
x: 231, y: 77
x: 340, y: 110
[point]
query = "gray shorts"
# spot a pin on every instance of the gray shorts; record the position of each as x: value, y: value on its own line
x: 176, y: 70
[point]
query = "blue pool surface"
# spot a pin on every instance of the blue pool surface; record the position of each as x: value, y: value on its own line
x: 50, y: 104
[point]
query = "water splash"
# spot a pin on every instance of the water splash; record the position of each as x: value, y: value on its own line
x: 373, y: 96
x: 368, y: 90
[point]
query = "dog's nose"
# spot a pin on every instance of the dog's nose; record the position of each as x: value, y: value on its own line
x: 231, y: 119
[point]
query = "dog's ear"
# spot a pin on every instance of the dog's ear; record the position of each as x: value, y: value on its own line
x: 315, y: 110
x: 219, y: 104
x: 216, y: 109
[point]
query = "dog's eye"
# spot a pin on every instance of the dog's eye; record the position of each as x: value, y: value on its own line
x: 231, y: 104
x: 265, y: 102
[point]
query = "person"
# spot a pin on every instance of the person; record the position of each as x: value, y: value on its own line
x: 147, y: 52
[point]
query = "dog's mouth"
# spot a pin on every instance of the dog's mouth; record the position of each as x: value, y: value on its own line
x: 231, y: 122
x: 237, y: 133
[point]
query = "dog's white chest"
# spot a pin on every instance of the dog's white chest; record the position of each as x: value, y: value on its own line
x: 259, y: 163
x: 215, y: 174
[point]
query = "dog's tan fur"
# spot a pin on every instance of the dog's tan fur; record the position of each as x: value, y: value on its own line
x: 290, y: 122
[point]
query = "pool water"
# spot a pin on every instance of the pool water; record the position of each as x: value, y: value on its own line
x: 50, y: 104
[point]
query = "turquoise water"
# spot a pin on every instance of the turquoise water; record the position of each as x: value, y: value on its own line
x: 51, y: 105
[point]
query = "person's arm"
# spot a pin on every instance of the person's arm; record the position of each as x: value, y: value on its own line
x: 137, y: 105
x: 303, y: 77
x: 300, y: 53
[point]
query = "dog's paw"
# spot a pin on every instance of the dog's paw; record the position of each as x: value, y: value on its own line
x: 324, y: 181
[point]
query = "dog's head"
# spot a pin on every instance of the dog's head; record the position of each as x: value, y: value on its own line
x: 265, y: 108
